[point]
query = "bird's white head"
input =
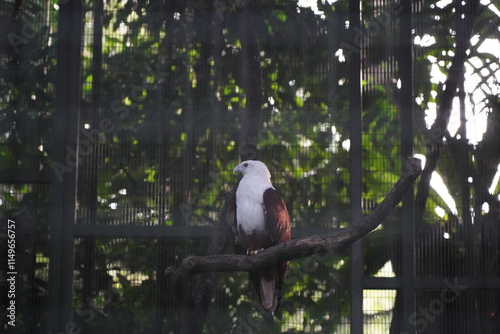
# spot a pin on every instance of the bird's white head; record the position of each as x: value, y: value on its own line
x: 254, y: 168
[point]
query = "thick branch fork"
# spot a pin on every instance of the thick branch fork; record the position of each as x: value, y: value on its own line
x: 303, y: 247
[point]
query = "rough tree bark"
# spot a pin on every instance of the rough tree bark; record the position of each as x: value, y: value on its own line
x: 293, y: 249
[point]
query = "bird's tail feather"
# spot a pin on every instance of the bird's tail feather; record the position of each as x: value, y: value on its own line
x: 268, y: 295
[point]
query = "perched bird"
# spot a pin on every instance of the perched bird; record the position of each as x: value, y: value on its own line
x: 262, y: 221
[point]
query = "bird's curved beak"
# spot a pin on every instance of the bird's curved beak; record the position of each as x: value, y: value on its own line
x: 237, y: 169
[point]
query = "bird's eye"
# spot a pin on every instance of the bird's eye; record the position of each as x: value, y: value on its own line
x: 245, y: 164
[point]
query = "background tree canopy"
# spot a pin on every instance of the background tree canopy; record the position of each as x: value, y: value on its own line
x: 161, y: 97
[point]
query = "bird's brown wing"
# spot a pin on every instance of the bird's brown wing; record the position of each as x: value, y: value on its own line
x: 279, y: 229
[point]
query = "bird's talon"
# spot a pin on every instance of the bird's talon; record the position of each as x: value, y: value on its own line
x: 254, y: 252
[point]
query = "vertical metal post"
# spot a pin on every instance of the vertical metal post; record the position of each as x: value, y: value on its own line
x: 408, y: 216
x: 65, y: 165
x: 356, y: 166
x: 89, y: 244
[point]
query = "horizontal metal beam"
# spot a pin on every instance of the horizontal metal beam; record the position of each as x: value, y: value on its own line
x: 382, y: 283
x: 26, y: 176
x: 138, y: 231
x: 461, y: 283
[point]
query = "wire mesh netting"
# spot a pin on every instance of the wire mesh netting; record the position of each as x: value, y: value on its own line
x: 26, y: 87
x: 169, y: 156
x: 161, y: 101
x: 170, y: 164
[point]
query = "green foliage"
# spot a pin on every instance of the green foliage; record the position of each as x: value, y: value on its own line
x: 168, y: 81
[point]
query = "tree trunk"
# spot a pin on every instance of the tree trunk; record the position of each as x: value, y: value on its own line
x: 194, y: 304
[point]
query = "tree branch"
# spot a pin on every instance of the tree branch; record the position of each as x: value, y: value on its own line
x: 464, y: 27
x: 303, y: 247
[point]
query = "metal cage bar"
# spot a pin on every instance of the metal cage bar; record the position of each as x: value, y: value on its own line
x: 63, y: 205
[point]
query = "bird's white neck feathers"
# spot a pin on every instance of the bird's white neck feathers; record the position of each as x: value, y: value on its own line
x: 250, y: 195
x: 256, y: 179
